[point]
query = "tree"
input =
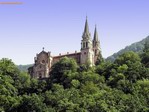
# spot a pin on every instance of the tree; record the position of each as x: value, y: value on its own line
x: 128, y: 58
x: 23, y: 83
x: 8, y: 91
x: 61, y: 69
x: 31, y: 103
x: 134, y: 68
x: 104, y: 69
x: 8, y: 94
x: 7, y: 67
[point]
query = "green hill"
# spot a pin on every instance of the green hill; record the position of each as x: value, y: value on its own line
x: 24, y: 67
x: 136, y: 47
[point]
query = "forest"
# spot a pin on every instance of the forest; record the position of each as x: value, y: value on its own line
x: 119, y: 86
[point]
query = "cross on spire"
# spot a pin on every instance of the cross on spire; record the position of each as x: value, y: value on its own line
x: 43, y: 49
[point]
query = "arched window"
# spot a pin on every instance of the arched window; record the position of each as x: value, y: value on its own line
x: 86, y: 44
x: 40, y: 75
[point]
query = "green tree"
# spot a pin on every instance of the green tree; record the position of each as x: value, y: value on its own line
x: 7, y: 67
x: 61, y: 69
x: 8, y: 94
x: 33, y: 102
x: 128, y: 58
x: 8, y: 91
x: 134, y: 68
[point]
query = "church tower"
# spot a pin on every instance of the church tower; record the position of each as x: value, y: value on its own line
x: 87, y: 54
x: 96, y: 46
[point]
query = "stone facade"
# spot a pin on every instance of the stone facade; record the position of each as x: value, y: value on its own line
x: 90, y: 50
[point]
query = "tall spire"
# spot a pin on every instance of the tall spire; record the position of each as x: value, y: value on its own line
x: 86, y: 29
x: 95, y: 35
x: 86, y: 33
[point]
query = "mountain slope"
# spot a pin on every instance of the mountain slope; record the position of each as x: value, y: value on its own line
x: 24, y: 67
x: 136, y: 47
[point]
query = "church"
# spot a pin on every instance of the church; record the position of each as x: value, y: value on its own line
x: 90, y: 51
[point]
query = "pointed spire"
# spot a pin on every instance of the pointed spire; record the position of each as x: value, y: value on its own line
x: 86, y: 29
x: 86, y: 33
x: 96, y: 42
x: 95, y: 34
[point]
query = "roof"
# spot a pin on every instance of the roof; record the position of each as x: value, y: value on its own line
x: 67, y: 55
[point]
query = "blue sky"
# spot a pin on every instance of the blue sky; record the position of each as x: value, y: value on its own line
x: 58, y: 25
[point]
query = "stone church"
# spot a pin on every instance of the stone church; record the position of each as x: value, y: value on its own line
x: 90, y: 50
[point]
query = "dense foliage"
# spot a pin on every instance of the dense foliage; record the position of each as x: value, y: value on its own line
x: 121, y: 86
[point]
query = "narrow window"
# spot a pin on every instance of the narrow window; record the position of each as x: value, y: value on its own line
x: 83, y: 45
x: 86, y: 44
x: 95, y: 52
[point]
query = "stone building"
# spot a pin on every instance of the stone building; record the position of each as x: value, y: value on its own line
x: 90, y: 50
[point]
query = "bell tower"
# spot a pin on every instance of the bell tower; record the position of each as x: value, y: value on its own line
x: 87, y: 54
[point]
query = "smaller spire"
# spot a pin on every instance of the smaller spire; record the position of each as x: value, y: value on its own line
x: 95, y: 34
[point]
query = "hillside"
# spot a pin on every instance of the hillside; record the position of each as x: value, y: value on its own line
x: 136, y: 47
x: 24, y: 67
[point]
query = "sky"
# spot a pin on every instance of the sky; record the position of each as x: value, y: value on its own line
x: 57, y: 25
